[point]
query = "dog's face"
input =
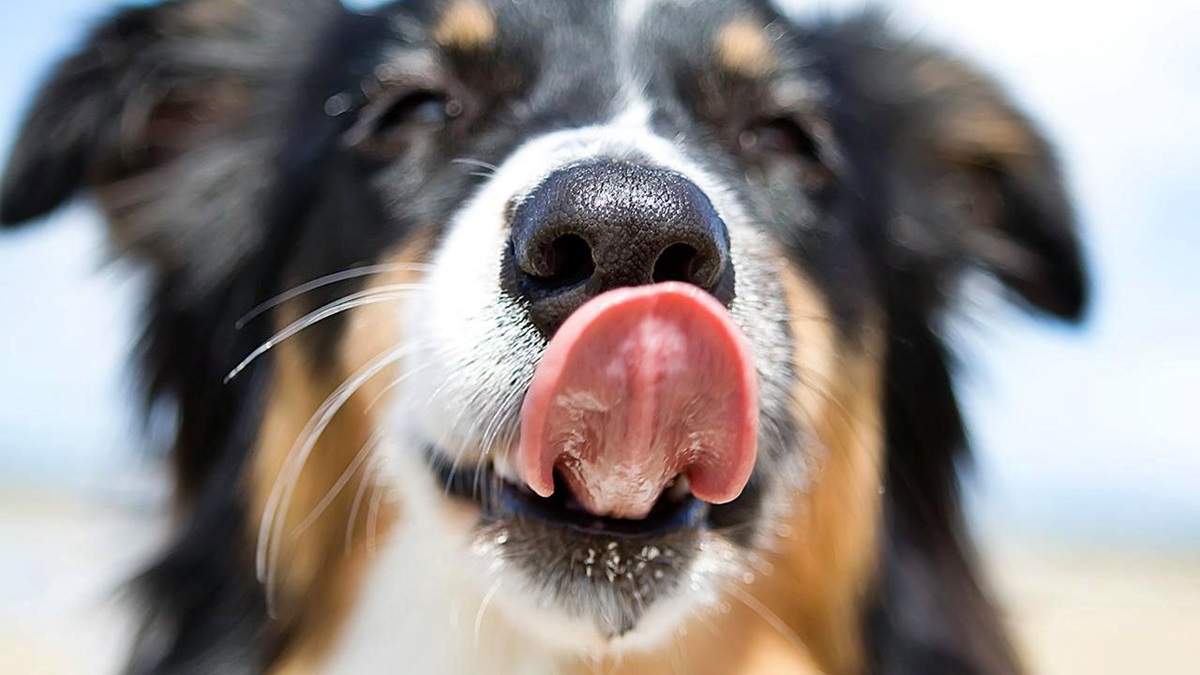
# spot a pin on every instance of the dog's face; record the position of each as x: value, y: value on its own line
x: 596, y: 148
x: 617, y: 286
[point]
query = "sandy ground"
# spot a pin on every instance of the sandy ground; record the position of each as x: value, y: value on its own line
x: 1075, y: 612
x: 1092, y: 612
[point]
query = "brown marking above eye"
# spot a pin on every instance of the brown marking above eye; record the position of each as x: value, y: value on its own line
x: 214, y: 14
x: 465, y: 25
x: 744, y: 48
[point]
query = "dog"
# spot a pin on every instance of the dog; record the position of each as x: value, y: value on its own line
x: 536, y: 336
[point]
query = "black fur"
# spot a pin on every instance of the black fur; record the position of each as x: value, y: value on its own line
x: 878, y: 225
x: 930, y: 612
x: 73, y: 133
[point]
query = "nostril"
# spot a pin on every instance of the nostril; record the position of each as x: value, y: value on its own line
x: 565, y: 261
x: 678, y: 262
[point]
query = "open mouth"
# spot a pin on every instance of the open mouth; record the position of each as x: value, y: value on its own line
x: 499, y: 500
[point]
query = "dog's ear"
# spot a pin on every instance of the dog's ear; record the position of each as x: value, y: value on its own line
x: 169, y: 116
x: 971, y: 181
x: 78, y: 129
x: 149, y: 85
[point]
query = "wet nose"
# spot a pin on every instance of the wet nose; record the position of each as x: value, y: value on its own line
x: 599, y: 225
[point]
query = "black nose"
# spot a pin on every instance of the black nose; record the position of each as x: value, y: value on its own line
x: 599, y: 225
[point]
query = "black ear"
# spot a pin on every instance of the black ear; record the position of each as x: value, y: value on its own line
x: 155, y: 85
x: 997, y: 176
x: 77, y: 127
x: 171, y: 116
x: 972, y: 182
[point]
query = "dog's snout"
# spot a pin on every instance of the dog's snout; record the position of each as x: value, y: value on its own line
x: 595, y: 226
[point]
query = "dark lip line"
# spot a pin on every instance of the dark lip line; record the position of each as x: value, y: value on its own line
x: 499, y: 500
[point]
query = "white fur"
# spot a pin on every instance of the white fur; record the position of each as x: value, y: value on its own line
x: 421, y: 610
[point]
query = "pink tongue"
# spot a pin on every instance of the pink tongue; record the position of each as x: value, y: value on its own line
x: 641, y: 385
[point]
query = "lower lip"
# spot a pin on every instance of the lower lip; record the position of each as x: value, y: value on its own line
x: 666, y: 517
x: 501, y: 500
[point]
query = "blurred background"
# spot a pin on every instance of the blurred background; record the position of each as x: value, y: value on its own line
x: 1086, y: 489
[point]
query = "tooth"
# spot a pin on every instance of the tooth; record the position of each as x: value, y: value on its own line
x: 503, y: 469
x: 679, y: 489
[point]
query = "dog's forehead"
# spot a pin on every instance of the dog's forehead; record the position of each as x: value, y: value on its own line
x: 620, y: 37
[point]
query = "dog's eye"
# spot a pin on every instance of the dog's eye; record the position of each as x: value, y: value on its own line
x: 779, y: 136
x: 420, y: 109
x: 786, y: 142
x: 388, y: 126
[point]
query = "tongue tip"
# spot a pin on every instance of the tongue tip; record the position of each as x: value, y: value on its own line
x: 537, y: 475
x: 721, y: 485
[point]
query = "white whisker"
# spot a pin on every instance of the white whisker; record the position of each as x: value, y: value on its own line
x: 386, y: 293
x: 359, y: 495
x: 678, y: 661
x: 327, y: 280
x: 483, y: 607
x: 770, y: 617
x: 377, y: 495
x: 393, y: 384
x: 363, y: 455
x: 274, y: 514
x: 491, y: 433
x: 469, y: 161
x: 453, y: 431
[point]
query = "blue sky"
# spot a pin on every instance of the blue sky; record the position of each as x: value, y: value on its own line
x: 1080, y: 432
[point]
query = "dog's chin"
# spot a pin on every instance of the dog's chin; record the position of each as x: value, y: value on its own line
x: 588, y: 584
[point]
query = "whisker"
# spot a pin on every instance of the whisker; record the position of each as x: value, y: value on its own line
x: 463, y: 442
x: 821, y: 385
x: 363, y: 455
x: 491, y: 434
x: 772, y: 619
x: 359, y: 495
x: 386, y: 293
x: 761, y: 565
x: 271, y: 527
x: 446, y: 381
x: 618, y: 659
x: 483, y: 607
x: 393, y: 384
x: 732, y: 530
x: 377, y: 495
x: 328, y: 280
x: 470, y: 161
x: 678, y: 661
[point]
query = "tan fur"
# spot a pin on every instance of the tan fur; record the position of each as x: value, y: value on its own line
x: 465, y: 25
x: 826, y: 565
x: 210, y: 14
x: 972, y: 121
x: 318, y: 577
x: 744, y: 48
